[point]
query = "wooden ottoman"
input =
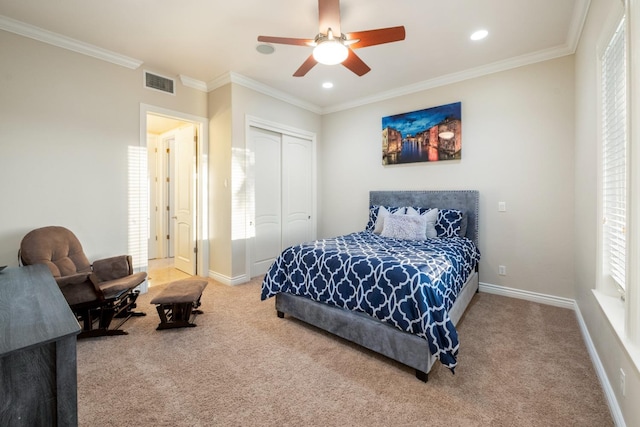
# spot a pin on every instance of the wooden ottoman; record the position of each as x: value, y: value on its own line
x: 177, y: 303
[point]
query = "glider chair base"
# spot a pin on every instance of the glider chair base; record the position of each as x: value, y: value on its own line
x: 97, y: 319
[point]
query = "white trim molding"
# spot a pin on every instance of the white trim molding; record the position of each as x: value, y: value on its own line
x: 241, y: 80
x: 527, y: 295
x: 193, y: 83
x: 610, y: 396
x: 229, y: 281
x: 571, y: 304
x: 45, y: 36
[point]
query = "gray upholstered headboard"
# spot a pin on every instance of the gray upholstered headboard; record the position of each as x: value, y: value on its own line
x: 467, y: 201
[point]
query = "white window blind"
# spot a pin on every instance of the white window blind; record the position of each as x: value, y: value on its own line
x: 614, y: 173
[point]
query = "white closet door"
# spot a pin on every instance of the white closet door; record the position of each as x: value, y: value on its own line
x: 282, y: 170
x: 267, y: 166
x: 296, y: 190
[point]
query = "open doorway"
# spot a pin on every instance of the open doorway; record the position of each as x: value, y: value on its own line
x: 176, y: 194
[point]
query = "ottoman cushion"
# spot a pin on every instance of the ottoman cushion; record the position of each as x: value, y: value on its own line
x: 181, y: 291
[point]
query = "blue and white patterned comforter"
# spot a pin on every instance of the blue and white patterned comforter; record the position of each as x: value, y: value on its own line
x: 410, y: 284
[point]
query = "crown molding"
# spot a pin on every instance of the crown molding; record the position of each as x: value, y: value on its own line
x: 33, y: 32
x: 579, y: 17
x: 241, y: 80
x: 573, y: 37
x: 495, y: 67
x: 218, y: 82
x: 193, y: 83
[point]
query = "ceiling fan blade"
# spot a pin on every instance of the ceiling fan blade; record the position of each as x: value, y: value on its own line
x: 329, y: 16
x: 285, y: 40
x: 305, y: 67
x: 374, y: 37
x: 355, y: 64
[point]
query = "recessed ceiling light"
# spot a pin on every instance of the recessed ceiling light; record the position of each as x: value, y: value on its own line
x: 327, y: 85
x: 266, y: 49
x: 479, y: 35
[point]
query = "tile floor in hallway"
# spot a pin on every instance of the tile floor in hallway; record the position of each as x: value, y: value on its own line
x: 161, y: 271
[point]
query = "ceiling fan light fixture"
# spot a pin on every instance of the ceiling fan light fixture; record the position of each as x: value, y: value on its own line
x: 330, y: 52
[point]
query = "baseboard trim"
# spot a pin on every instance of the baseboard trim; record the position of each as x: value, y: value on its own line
x: 610, y: 396
x: 527, y: 295
x: 612, y: 401
x: 226, y: 280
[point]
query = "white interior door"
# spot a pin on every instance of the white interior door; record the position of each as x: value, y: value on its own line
x: 268, y: 203
x: 184, y: 200
x: 154, y: 211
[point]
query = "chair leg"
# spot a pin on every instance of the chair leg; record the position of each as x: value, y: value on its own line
x: 176, y: 315
x: 126, y: 309
x: 106, y: 316
x: 97, y: 321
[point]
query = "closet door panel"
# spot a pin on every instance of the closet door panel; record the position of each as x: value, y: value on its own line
x: 296, y: 190
x: 268, y: 202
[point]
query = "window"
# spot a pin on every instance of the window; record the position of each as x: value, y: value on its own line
x: 614, y: 161
x: 618, y: 272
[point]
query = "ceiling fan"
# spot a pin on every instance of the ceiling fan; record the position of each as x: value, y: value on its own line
x: 331, y: 46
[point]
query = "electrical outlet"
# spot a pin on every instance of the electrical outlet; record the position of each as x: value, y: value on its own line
x: 622, y: 382
x: 502, y: 270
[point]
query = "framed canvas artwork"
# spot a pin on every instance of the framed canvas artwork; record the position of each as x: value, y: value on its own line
x: 429, y: 135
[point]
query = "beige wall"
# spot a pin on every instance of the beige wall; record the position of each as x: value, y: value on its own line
x: 66, y: 124
x: 517, y: 146
x: 220, y: 257
x: 611, y: 352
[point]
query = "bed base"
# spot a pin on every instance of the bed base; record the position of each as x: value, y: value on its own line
x: 371, y: 333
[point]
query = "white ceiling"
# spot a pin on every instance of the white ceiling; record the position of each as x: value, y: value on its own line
x: 205, y: 40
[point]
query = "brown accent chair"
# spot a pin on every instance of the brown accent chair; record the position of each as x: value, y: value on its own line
x: 95, y: 293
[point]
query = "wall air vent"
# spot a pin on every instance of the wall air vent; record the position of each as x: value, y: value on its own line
x: 157, y: 82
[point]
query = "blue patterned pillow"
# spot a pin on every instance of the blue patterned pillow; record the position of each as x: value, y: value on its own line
x: 449, y: 223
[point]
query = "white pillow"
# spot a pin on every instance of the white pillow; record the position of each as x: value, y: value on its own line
x: 432, y: 216
x: 382, y: 214
x: 411, y: 211
x: 410, y: 227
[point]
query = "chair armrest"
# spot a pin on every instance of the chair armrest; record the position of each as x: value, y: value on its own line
x: 74, y: 279
x: 79, y: 287
x: 113, y: 268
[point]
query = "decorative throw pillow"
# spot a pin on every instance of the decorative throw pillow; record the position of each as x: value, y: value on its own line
x: 449, y: 223
x: 373, y: 216
x: 383, y: 213
x: 430, y: 214
x: 410, y: 227
x: 432, y: 217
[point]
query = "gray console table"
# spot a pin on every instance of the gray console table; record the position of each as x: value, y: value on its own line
x: 38, y: 377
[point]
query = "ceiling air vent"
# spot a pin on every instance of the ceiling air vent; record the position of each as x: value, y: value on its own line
x: 161, y: 83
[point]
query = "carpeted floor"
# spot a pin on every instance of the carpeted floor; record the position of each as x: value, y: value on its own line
x: 520, y: 364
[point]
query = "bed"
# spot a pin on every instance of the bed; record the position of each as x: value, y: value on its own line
x: 396, y: 294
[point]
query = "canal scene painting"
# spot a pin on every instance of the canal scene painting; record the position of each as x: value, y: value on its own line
x: 429, y: 135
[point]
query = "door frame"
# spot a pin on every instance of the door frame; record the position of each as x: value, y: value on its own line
x: 250, y: 220
x: 202, y: 199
